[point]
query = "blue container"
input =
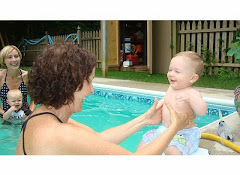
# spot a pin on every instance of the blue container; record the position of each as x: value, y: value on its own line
x: 127, y: 39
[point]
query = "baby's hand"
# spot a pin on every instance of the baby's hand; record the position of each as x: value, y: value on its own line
x: 13, y: 108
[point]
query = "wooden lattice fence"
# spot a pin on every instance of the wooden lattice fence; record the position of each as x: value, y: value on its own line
x: 91, y: 40
x: 211, y: 40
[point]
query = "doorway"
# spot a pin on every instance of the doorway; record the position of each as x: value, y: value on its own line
x: 133, y: 44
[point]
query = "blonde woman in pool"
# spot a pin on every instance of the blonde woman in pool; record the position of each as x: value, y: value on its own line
x: 184, y: 70
x: 12, y: 77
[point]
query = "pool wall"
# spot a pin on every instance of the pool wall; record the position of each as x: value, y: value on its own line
x: 147, y: 96
x: 222, y: 102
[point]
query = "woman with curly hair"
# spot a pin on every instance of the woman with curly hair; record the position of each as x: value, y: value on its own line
x: 61, y: 77
x: 12, y: 77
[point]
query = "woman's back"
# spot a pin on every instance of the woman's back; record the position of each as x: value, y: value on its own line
x: 40, y: 133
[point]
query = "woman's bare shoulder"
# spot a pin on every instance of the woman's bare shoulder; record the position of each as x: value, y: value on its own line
x: 74, y: 139
x: 68, y: 130
x: 2, y: 74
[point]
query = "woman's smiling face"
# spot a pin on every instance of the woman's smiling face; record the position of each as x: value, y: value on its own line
x: 79, y: 95
x: 13, y: 60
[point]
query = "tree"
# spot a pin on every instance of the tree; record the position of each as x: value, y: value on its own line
x: 16, y: 30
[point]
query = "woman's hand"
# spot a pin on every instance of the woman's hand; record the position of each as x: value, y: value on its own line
x: 182, y: 98
x: 154, y: 115
x: 180, y: 120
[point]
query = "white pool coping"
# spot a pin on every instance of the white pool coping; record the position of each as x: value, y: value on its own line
x: 208, y: 125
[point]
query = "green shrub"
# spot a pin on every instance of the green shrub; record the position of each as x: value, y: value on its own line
x: 226, y: 73
x: 235, y: 47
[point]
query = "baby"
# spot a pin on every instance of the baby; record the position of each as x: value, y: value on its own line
x: 15, y: 112
x: 184, y: 70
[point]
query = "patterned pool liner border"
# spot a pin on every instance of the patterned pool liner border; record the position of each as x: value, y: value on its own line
x: 146, y: 96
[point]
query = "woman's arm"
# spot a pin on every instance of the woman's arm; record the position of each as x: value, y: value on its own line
x: 158, y: 145
x: 84, y: 142
x: 120, y: 133
x: 1, y: 83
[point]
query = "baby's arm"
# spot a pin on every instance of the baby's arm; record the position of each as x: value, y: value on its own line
x: 198, y: 105
x: 195, y: 100
x: 7, y: 114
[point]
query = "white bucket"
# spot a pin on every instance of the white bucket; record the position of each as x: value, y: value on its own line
x: 127, y: 47
x: 127, y: 63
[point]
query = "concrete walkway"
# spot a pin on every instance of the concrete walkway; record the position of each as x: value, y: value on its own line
x: 233, y: 121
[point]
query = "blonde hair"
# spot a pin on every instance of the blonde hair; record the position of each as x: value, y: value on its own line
x: 14, y: 92
x: 196, y: 59
x: 5, y: 52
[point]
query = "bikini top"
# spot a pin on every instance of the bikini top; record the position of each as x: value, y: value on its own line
x: 4, y: 90
x: 25, y: 124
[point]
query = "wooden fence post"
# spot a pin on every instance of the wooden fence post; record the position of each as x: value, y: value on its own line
x: 2, y: 42
x: 104, y: 41
x: 174, y: 38
x: 79, y: 35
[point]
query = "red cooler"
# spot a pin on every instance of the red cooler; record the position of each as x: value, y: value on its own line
x: 133, y: 57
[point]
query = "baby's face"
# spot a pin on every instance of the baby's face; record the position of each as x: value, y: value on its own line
x: 15, y: 101
x: 180, y: 73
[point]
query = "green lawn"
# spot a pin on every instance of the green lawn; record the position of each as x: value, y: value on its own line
x: 204, y: 81
x: 25, y: 67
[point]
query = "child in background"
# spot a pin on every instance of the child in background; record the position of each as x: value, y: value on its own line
x: 184, y: 70
x: 16, y: 111
x: 237, y: 99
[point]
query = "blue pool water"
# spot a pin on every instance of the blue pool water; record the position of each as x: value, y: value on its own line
x: 108, y: 108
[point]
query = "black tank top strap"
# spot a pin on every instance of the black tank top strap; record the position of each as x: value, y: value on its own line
x: 21, y: 74
x: 5, y: 77
x: 35, y: 115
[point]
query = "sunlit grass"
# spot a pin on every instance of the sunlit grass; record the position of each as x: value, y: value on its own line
x: 204, y: 81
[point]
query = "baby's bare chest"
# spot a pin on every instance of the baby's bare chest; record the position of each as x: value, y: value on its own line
x: 179, y: 101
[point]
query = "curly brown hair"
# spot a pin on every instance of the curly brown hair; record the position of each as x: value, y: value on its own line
x: 58, y: 72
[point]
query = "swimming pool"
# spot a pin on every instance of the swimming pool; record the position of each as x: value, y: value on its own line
x: 110, y: 106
